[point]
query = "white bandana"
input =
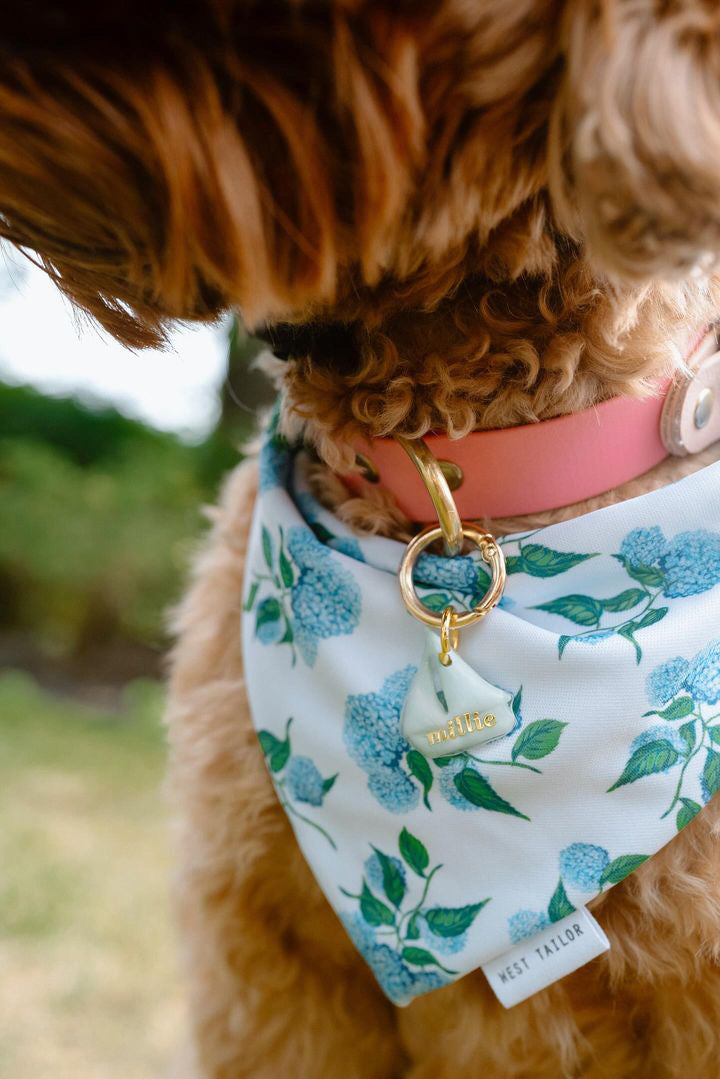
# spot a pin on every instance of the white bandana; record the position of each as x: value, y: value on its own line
x: 604, y: 642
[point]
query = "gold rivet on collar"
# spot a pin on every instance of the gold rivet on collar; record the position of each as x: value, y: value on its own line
x: 367, y: 468
x: 452, y: 473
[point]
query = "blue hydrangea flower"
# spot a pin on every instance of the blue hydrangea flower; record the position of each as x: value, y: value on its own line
x: 269, y: 630
x: 526, y: 923
x: 708, y: 793
x: 703, y: 678
x: 374, y: 873
x: 425, y: 980
x: 372, y: 723
x: 582, y: 864
x: 308, y: 505
x: 311, y: 511
x: 348, y: 546
x: 304, y: 781
x: 399, y: 982
x: 655, y: 734
x: 595, y: 638
x: 325, y: 599
x: 393, y: 789
x: 441, y: 945
x: 435, y: 571
x: 394, y: 976
x: 373, y: 740
x: 446, y: 783
x: 643, y: 546
x: 666, y: 680
x: 359, y: 931
x: 274, y: 464
x: 691, y: 564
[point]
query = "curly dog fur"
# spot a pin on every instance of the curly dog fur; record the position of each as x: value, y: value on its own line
x: 457, y: 215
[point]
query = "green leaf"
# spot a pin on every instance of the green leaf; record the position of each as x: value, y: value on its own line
x: 329, y: 783
x: 420, y: 768
x: 267, y: 546
x: 287, y: 636
x: 678, y: 709
x: 653, y: 757
x: 538, y: 739
x: 582, y: 610
x: 280, y: 756
x: 625, y: 600
x: 514, y: 564
x: 711, y: 773
x: 268, y: 611
x: 393, y: 882
x: 655, y: 614
x: 321, y: 532
x: 483, y: 580
x: 517, y: 705
x: 268, y: 742
x: 622, y: 867
x: 373, y: 910
x: 413, y: 852
x: 476, y: 789
x: 443, y: 762
x: 286, y: 570
x: 442, y: 699
x: 647, y: 575
x: 452, y: 921
x: 687, y: 733
x: 419, y: 957
x: 559, y: 906
x: 627, y: 633
x: 413, y: 932
x: 541, y: 561
x: 714, y: 734
x: 563, y: 642
x: 437, y: 601
x: 687, y: 811
x: 252, y: 596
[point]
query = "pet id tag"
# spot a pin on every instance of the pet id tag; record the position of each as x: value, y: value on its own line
x: 450, y: 708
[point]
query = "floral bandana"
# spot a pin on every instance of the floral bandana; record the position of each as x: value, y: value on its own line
x: 605, y: 640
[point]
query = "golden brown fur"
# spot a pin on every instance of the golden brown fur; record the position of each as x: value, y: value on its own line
x: 475, y: 214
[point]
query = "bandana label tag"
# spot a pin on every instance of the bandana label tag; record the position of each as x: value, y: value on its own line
x: 546, y: 957
x: 452, y: 709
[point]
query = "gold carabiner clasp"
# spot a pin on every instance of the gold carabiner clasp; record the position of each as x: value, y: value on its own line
x: 437, y: 487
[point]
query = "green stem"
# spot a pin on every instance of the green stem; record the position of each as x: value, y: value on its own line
x: 628, y: 621
x: 508, y: 764
x: 696, y: 750
x: 290, y: 808
x: 523, y: 539
x: 409, y: 914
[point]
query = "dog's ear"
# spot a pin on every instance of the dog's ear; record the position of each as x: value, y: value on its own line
x: 635, y: 134
x: 173, y: 159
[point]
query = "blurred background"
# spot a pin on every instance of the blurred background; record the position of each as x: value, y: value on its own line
x: 107, y: 458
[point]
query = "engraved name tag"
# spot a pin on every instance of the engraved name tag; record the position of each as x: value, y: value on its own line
x: 452, y: 709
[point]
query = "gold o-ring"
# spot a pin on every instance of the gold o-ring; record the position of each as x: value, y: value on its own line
x: 491, y: 553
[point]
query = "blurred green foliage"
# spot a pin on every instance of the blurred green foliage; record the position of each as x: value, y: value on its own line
x: 89, y: 554
x: 98, y: 516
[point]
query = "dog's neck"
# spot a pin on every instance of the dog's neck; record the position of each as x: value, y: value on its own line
x: 591, y: 458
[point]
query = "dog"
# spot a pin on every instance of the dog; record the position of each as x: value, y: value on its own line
x: 452, y: 217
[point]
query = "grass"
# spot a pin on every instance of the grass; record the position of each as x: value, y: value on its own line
x: 88, y: 984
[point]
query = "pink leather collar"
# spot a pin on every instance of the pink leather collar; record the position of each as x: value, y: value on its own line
x: 541, y: 466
